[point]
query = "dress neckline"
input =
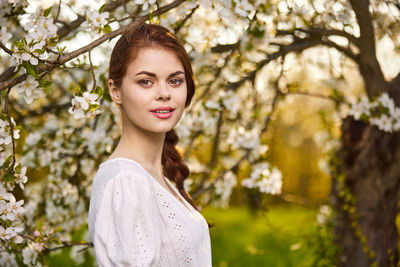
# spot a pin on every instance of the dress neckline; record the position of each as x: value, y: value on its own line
x: 189, y: 208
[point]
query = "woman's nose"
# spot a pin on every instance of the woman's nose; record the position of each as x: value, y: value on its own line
x: 163, y: 92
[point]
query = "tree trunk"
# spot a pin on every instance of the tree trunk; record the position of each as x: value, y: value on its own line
x: 370, y: 163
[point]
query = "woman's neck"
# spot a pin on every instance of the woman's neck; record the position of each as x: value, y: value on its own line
x: 142, y: 146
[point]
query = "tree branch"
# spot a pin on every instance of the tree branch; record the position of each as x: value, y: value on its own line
x: 62, y: 32
x: 342, y: 49
x: 221, y: 48
x: 296, y: 46
x: 8, y: 51
x: 44, y: 109
x: 326, y: 32
x: 7, y: 110
x: 67, y: 57
x: 368, y: 63
x: 92, y: 71
x: 182, y: 23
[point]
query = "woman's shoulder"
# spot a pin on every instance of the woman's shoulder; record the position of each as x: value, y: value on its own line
x: 121, y: 165
x: 115, y: 168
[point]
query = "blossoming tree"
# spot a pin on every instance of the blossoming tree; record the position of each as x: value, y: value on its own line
x: 59, y: 122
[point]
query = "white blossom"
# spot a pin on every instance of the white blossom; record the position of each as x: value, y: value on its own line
x: 30, y: 52
x: 6, y: 233
x: 97, y: 140
x: 210, y: 104
x: 7, y: 260
x: 10, y: 210
x: 200, y: 121
x: 265, y: 179
x: 243, y: 7
x: 4, y: 35
x: 5, y: 130
x: 4, y: 195
x: 246, y: 139
x: 386, y: 101
x: 95, y: 19
x: 145, y: 4
x: 9, y: 233
x: 39, y: 29
x: 271, y: 184
x: 231, y: 102
x: 33, y: 138
x: 30, y: 254
x: 21, y: 178
x: 387, y: 119
x: 80, y: 105
x: 77, y: 254
x: 223, y: 187
x: 30, y: 89
x: 360, y: 108
x: 324, y: 214
x: 384, y: 122
x: 45, y: 28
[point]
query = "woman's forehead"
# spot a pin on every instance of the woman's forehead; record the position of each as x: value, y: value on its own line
x: 155, y: 59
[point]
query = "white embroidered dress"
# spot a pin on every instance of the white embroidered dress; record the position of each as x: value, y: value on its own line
x: 135, y: 221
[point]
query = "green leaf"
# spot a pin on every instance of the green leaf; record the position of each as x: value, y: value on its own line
x: 45, y: 83
x: 107, y: 28
x: 94, y: 107
x: 39, y: 51
x: 101, y: 9
x: 47, y: 11
x: 57, y: 242
x: 9, y: 177
x: 151, y: 17
x: 364, y: 117
x: 60, y: 50
x: 31, y: 69
x: 249, y: 46
x: 337, y: 95
x: 98, y: 90
x: 258, y: 32
x: 19, y: 45
x: 18, y: 168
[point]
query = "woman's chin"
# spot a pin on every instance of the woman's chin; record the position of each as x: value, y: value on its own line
x: 163, y: 129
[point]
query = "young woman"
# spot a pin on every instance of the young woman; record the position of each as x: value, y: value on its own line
x: 137, y: 217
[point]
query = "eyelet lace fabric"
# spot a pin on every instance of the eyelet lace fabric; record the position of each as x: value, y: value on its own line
x: 134, y: 221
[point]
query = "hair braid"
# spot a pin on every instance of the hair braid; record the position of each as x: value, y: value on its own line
x: 174, y: 167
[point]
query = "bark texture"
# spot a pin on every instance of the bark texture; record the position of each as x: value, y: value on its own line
x: 369, y: 160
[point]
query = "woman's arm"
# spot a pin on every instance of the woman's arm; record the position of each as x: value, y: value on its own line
x: 126, y: 228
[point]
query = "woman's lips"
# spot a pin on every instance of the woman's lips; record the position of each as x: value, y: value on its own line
x: 164, y: 115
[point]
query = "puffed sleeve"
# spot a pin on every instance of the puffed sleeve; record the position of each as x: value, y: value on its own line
x: 125, y: 225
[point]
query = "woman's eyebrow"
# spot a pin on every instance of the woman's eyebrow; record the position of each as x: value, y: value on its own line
x: 175, y: 73
x: 147, y: 73
x: 151, y: 74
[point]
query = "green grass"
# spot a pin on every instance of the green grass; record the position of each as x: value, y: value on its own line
x: 281, y: 237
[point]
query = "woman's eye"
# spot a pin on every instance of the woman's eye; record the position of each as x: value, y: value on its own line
x: 145, y: 83
x: 175, y: 81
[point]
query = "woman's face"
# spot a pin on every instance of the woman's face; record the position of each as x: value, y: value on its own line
x: 153, y: 91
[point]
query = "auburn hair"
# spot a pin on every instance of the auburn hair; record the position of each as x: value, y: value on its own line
x: 142, y: 35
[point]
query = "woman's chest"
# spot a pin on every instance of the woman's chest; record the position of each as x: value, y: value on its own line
x: 182, y: 227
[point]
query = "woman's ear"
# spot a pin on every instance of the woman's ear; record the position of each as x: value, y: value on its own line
x: 114, y: 92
